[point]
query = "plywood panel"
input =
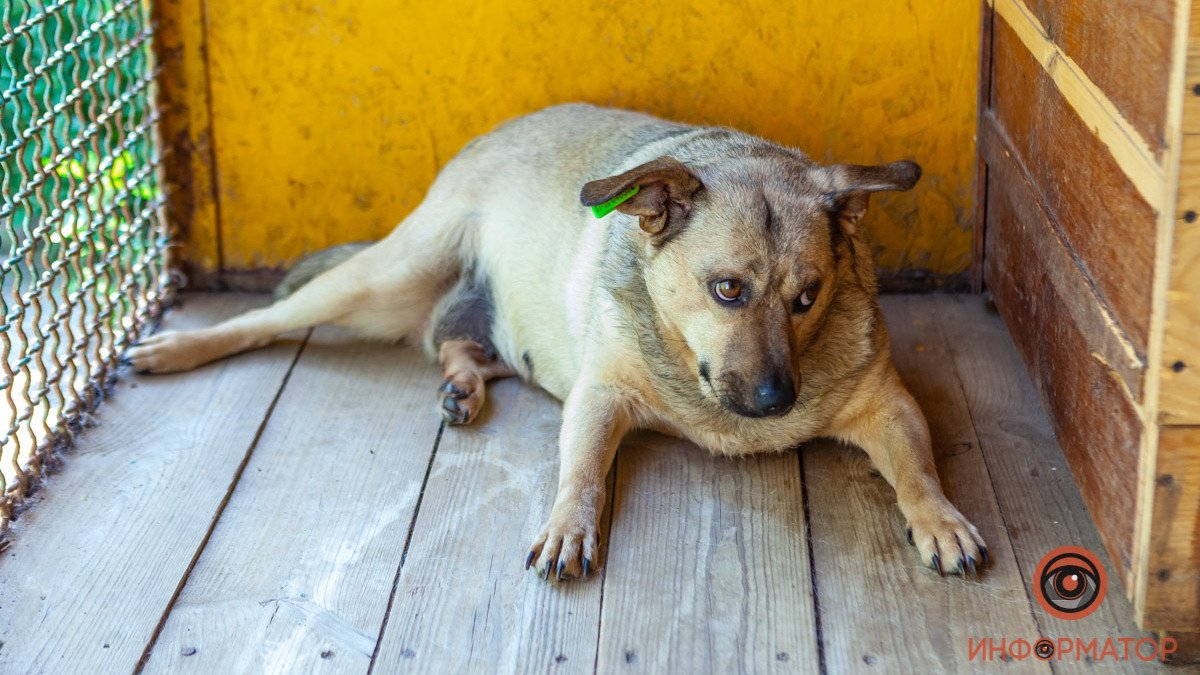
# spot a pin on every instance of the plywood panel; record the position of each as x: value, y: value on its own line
x: 1095, y: 419
x: 331, y: 123
x: 1136, y: 76
x: 1104, y: 220
x: 95, y: 565
x: 318, y: 523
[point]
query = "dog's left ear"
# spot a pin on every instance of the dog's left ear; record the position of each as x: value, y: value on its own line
x: 666, y: 191
x: 849, y: 187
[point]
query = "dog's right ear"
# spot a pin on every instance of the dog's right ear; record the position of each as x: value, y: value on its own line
x: 849, y: 186
x: 666, y: 190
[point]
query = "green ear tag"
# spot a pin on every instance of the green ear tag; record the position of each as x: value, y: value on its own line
x: 601, y: 210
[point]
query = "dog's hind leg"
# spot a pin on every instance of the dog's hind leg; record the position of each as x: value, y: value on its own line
x: 461, y: 332
x: 467, y: 366
x: 386, y: 292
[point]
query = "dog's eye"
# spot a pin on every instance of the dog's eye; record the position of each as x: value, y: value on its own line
x: 805, y: 300
x: 728, y: 290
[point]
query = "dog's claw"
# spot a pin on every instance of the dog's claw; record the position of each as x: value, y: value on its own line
x: 452, y: 412
x: 586, y: 565
x: 937, y: 565
x: 450, y: 388
x: 971, y: 568
x: 528, y: 560
x: 984, y: 551
x: 910, y: 539
x: 546, y: 574
x: 558, y: 574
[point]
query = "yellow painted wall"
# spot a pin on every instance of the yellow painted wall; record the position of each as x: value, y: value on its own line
x: 331, y: 117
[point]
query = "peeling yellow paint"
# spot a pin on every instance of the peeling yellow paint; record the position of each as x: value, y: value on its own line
x: 331, y: 118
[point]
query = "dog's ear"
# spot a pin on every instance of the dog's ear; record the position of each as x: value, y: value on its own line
x: 849, y: 187
x: 666, y: 190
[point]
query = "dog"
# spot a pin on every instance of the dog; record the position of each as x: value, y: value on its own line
x: 728, y: 298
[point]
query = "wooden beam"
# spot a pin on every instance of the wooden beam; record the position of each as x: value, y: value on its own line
x: 1128, y: 147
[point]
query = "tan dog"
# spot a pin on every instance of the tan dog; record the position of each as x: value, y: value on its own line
x: 730, y: 301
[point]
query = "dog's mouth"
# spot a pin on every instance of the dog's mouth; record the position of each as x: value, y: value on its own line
x: 735, y: 407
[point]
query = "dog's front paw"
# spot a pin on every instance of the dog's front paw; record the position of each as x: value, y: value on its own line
x: 566, y: 548
x: 945, y: 540
x: 166, y: 353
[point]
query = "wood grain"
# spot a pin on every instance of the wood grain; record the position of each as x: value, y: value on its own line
x: 916, y: 621
x: 1173, y: 580
x: 186, y: 135
x: 1136, y: 76
x: 1179, y: 397
x: 1038, y: 498
x: 94, y: 566
x: 1105, y: 222
x: 464, y: 602
x: 708, y: 570
x: 1096, y: 422
x: 317, y: 526
x: 1051, y: 258
x: 1190, y: 124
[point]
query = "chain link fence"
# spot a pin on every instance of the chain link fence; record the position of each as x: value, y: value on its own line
x: 82, y: 238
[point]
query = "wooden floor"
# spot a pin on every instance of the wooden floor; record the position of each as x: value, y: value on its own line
x: 301, y: 509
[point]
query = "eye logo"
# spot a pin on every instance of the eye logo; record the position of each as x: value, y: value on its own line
x: 1070, y: 582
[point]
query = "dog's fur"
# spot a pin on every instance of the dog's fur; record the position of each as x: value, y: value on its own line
x: 502, y: 270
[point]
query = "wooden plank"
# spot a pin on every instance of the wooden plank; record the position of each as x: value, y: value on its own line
x: 1097, y: 422
x: 1173, y: 570
x: 1038, y: 498
x: 1179, y: 397
x: 185, y: 129
x: 1103, y: 219
x: 1051, y: 258
x: 1137, y: 76
x: 708, y: 570
x: 1190, y: 123
x: 94, y: 566
x: 987, y: 17
x: 317, y: 525
x: 464, y: 602
x: 1138, y: 158
x: 879, y: 607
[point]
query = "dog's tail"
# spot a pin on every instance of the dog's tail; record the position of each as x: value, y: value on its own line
x: 314, y: 264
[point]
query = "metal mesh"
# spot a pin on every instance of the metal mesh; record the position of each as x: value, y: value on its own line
x: 82, y: 239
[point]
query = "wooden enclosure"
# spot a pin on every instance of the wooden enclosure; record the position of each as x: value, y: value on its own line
x: 301, y: 125
x: 1078, y: 212
x: 1088, y: 238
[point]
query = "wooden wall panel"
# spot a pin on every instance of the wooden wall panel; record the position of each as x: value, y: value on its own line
x: 185, y: 129
x: 1095, y: 421
x: 1105, y: 221
x: 1179, y: 401
x: 1136, y: 74
x: 1173, y: 582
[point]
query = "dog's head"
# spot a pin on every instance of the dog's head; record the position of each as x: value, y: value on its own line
x: 742, y: 259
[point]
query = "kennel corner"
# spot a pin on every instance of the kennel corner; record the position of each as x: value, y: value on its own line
x: 1088, y: 239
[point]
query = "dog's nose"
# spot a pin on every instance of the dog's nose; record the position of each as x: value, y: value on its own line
x: 775, y: 396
